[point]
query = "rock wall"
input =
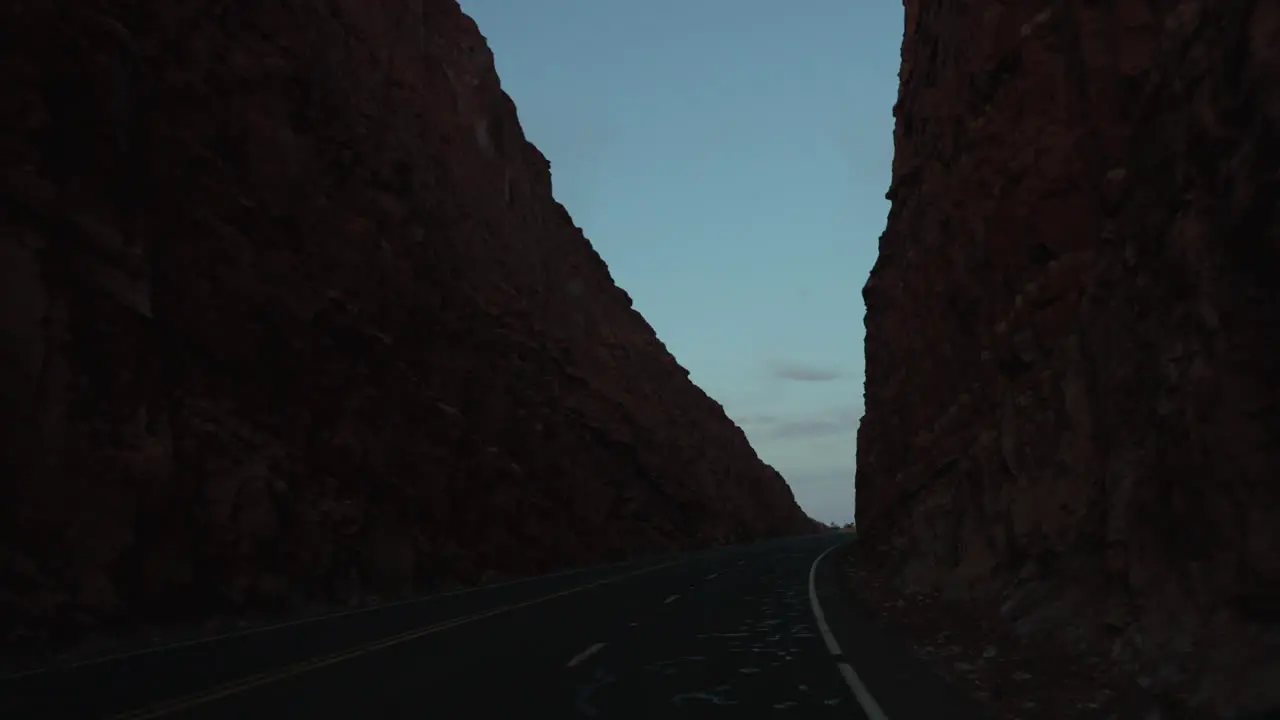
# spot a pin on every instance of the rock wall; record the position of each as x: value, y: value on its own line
x: 289, y: 312
x: 1073, y: 329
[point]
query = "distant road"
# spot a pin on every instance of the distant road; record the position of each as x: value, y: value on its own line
x: 730, y: 632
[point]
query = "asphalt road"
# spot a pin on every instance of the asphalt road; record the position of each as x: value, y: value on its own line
x: 725, y: 633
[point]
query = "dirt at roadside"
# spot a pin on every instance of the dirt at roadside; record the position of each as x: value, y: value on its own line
x: 1016, y: 678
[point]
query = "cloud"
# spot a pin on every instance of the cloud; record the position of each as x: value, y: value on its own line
x: 832, y: 422
x: 803, y: 373
x: 839, y: 476
x: 757, y: 419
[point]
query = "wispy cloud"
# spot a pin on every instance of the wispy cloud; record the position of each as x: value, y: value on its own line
x: 803, y: 373
x: 839, y: 476
x: 821, y: 424
x: 757, y: 419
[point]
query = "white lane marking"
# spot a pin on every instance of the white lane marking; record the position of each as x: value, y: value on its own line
x: 153, y: 649
x: 168, y: 707
x: 585, y: 654
x: 868, y: 703
x: 712, y: 698
x: 712, y: 576
x: 670, y: 599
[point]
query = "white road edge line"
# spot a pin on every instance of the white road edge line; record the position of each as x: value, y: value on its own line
x: 585, y: 654
x: 670, y: 598
x: 153, y: 649
x: 860, y: 692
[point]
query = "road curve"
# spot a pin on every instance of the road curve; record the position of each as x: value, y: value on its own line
x: 725, y: 633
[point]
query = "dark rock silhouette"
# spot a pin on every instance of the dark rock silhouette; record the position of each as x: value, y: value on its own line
x: 1073, y: 330
x: 290, y: 313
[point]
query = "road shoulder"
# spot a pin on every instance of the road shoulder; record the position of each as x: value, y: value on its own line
x: 903, y: 685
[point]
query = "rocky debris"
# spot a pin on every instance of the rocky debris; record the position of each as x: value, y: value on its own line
x: 1073, y: 331
x: 1014, y: 676
x: 291, y: 316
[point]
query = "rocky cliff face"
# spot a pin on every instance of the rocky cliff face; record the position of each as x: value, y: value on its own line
x: 1073, y: 328
x: 289, y: 312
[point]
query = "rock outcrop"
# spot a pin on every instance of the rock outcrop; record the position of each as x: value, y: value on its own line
x: 289, y: 312
x: 1073, y: 329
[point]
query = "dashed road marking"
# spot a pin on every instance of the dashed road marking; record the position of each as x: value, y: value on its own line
x: 315, y: 619
x: 577, y: 659
x: 670, y: 599
x: 168, y: 707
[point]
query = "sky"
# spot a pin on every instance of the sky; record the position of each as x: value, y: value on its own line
x: 728, y: 159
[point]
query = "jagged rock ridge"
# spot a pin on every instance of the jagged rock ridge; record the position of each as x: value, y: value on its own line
x: 290, y: 313
x: 1073, y: 329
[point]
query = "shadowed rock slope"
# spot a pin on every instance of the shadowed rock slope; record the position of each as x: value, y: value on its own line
x: 1073, y: 329
x: 289, y: 313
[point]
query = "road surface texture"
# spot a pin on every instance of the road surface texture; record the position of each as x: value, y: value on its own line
x: 733, y: 633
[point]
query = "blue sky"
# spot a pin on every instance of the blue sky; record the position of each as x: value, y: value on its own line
x: 728, y: 159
